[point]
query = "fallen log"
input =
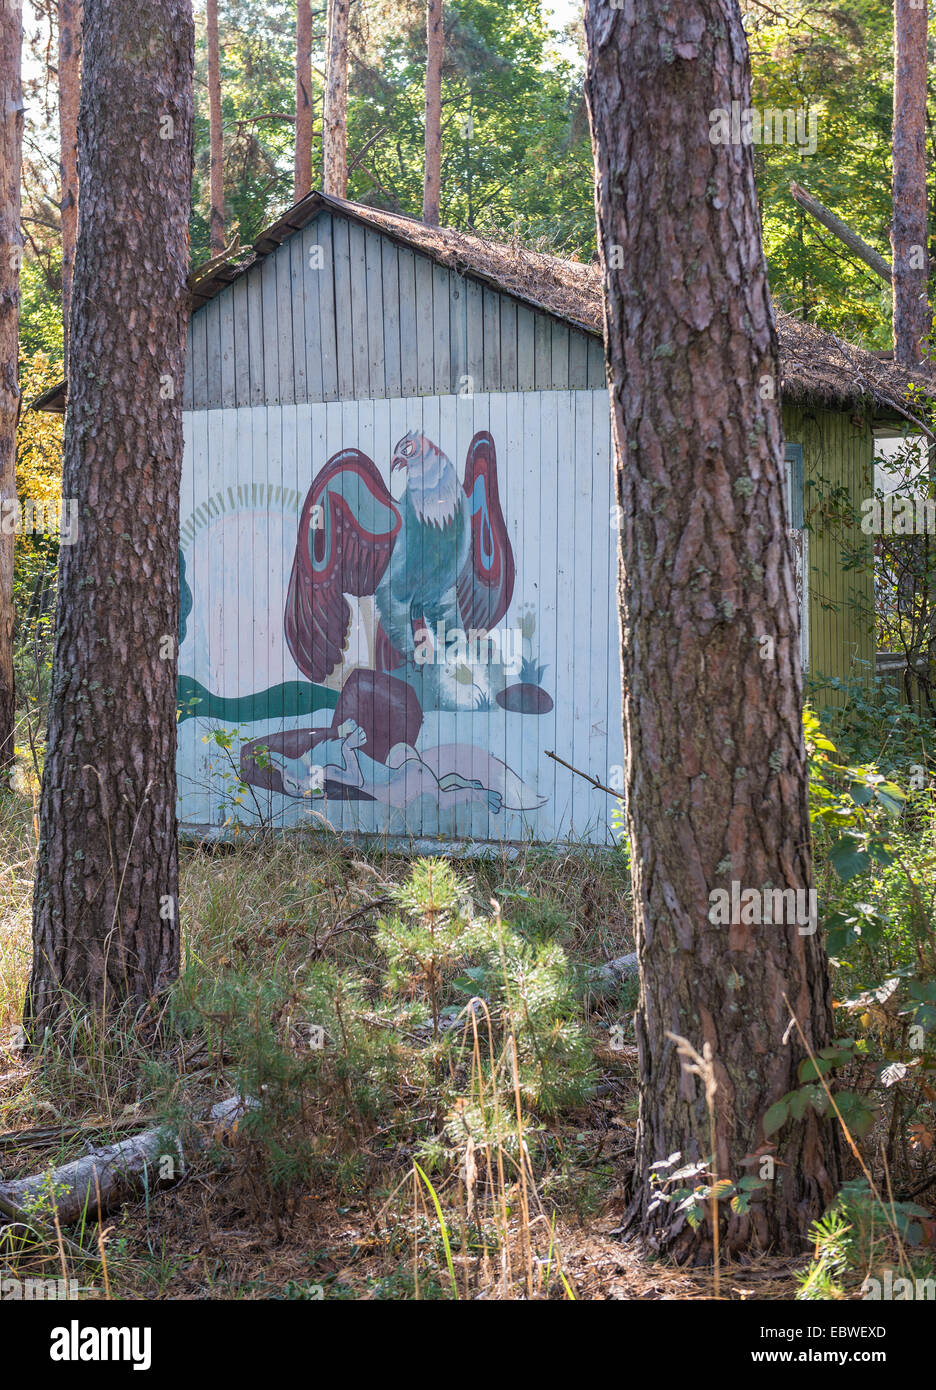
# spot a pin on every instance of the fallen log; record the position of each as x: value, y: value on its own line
x: 856, y: 244
x: 603, y: 980
x: 105, y: 1178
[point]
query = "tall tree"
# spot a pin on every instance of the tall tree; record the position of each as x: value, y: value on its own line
x: 716, y: 786
x: 11, y: 156
x: 335, y: 122
x: 912, y: 318
x: 105, y: 915
x: 216, y: 135
x: 305, y: 111
x: 432, y: 187
x: 69, y: 84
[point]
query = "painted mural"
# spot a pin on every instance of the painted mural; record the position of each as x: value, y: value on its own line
x: 390, y: 605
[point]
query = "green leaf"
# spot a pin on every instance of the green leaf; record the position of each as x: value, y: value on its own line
x: 848, y: 858
x: 775, y: 1117
x: 809, y: 1070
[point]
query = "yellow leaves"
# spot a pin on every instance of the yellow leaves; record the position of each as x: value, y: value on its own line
x: 39, y: 436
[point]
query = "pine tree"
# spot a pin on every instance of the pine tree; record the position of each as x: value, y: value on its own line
x: 216, y: 136
x: 716, y: 765
x: 105, y: 911
x: 11, y: 154
x: 433, y: 179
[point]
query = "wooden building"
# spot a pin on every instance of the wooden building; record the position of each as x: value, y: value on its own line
x: 398, y: 538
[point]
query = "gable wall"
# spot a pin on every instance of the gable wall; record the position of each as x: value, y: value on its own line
x: 376, y: 321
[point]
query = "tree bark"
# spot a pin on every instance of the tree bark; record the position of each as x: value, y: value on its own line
x: 216, y: 137
x: 69, y: 82
x: 716, y: 787
x: 11, y: 156
x: 912, y: 319
x: 105, y: 914
x: 432, y: 188
x: 305, y: 110
x: 335, y: 122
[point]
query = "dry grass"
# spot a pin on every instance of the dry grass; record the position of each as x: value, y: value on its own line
x: 261, y: 908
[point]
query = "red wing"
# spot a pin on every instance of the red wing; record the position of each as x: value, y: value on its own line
x: 347, y: 530
x: 486, y: 583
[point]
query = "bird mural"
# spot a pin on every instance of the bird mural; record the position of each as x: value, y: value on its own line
x: 439, y: 555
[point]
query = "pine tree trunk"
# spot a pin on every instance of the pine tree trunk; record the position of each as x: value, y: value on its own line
x: 69, y: 79
x: 715, y: 762
x: 305, y: 111
x: 11, y: 154
x: 912, y: 319
x: 215, y: 134
x: 335, y: 123
x: 105, y: 915
x: 432, y: 190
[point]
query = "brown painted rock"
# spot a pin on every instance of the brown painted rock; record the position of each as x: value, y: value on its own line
x: 525, y: 699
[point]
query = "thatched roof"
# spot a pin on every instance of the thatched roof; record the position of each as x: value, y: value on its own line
x: 817, y: 369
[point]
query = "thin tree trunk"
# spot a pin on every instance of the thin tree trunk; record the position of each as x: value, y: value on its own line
x: 715, y: 762
x: 828, y: 219
x: 305, y: 111
x: 912, y: 318
x: 11, y: 155
x: 432, y: 188
x: 216, y: 137
x: 105, y: 914
x: 335, y: 123
x: 69, y: 81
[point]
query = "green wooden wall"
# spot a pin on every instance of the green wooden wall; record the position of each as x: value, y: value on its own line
x: 838, y: 472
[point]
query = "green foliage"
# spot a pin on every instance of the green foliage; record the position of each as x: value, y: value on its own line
x: 519, y: 991
x: 230, y: 774
x: 835, y: 64
x: 258, y: 83
x: 875, y: 857
x: 295, y: 1046
x: 516, y: 152
x: 855, y: 804
x: 40, y: 324
x: 857, y: 1237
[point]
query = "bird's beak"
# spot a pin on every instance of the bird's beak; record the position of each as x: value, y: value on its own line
x: 398, y: 461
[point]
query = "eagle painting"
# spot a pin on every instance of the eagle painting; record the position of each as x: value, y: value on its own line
x: 441, y: 555
x: 436, y: 560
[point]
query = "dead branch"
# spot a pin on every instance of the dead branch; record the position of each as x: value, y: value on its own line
x: 840, y: 229
x: 99, y: 1181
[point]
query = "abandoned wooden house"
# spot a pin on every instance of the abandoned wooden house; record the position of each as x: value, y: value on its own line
x: 398, y: 537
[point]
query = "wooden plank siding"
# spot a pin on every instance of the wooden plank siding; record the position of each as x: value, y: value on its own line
x: 340, y: 313
x: 246, y: 473
x: 838, y: 463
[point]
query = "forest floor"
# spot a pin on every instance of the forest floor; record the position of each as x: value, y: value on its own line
x: 324, y: 1197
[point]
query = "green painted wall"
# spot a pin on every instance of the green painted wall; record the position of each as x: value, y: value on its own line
x: 838, y: 472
